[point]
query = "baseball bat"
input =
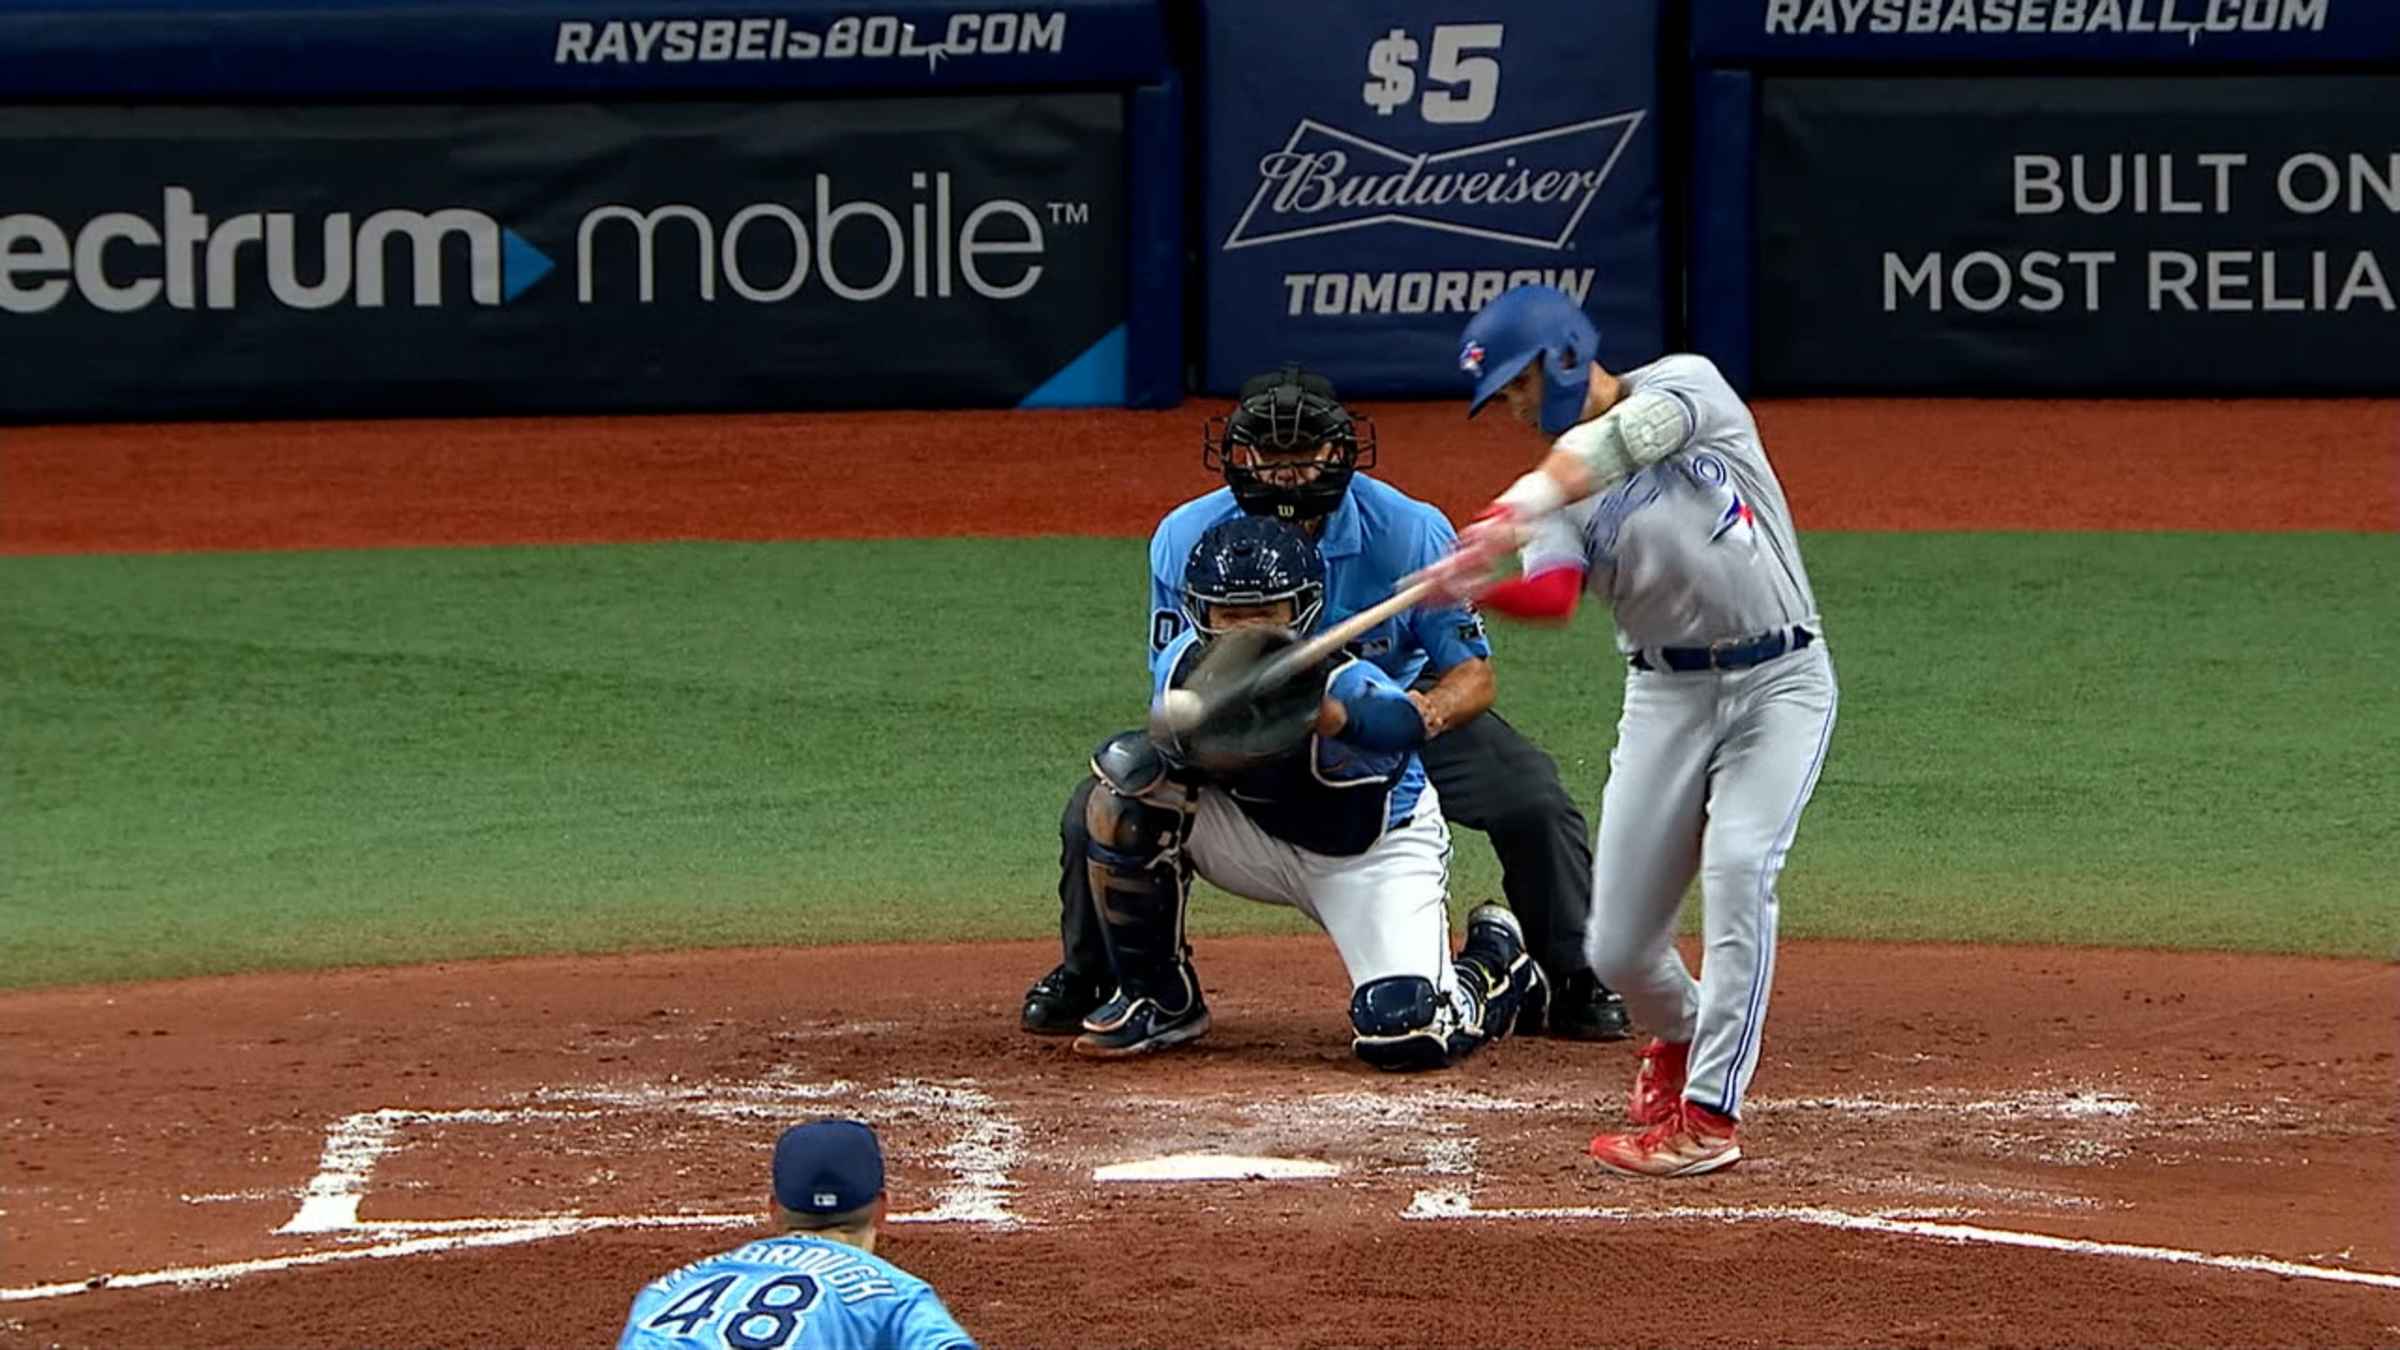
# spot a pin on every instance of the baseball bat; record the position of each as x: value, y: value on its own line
x: 1181, y: 714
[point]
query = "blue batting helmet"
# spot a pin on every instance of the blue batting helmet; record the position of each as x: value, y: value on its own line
x: 1254, y: 560
x: 1519, y: 326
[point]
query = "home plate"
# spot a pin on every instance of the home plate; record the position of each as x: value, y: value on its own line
x: 1214, y: 1167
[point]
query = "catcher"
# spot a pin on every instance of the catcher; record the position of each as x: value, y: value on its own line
x: 1308, y: 793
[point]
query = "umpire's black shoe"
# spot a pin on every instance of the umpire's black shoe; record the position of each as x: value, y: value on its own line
x: 1583, y: 1009
x: 1059, y: 1001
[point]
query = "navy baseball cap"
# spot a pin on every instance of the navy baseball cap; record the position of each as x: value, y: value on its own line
x: 827, y: 1167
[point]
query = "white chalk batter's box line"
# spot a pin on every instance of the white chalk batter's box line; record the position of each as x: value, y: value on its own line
x: 985, y: 1143
x: 988, y: 1144
x: 1435, y: 1206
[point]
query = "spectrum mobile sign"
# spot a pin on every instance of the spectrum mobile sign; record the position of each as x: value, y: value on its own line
x: 664, y: 256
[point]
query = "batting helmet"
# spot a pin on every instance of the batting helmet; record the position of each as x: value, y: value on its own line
x: 1523, y: 324
x: 1290, y: 412
x: 1253, y: 560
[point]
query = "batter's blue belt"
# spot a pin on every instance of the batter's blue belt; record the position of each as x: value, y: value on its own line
x: 1730, y: 654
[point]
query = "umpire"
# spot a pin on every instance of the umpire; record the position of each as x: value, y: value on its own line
x: 1289, y: 449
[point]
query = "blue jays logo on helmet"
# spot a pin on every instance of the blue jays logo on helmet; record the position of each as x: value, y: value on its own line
x: 1253, y: 560
x: 1525, y: 325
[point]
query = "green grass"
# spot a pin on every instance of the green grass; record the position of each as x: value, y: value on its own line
x: 222, y: 762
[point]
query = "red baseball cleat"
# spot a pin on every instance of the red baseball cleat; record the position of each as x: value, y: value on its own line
x: 1691, y: 1141
x: 1658, y: 1083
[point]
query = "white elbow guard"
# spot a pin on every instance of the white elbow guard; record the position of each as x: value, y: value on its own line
x: 1641, y: 430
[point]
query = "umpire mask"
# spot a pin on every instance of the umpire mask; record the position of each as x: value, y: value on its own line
x: 1289, y: 446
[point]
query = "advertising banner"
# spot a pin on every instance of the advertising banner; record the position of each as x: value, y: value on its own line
x: 266, y: 261
x: 2236, y: 235
x: 431, y: 48
x: 2169, y: 32
x: 1378, y: 171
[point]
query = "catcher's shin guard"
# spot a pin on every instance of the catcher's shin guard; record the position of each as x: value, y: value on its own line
x: 1138, y: 817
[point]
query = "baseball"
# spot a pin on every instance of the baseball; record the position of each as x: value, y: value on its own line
x: 1180, y: 708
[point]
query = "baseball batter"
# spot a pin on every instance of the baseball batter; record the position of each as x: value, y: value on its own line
x: 1657, y: 497
x: 1326, y: 809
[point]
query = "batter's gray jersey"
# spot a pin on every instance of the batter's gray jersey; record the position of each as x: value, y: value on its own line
x: 1698, y: 547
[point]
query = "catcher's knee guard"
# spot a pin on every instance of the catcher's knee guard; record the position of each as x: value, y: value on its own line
x: 1129, y: 764
x: 1138, y: 817
x: 1402, y: 1023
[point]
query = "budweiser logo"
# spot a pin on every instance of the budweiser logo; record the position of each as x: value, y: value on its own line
x: 1531, y: 189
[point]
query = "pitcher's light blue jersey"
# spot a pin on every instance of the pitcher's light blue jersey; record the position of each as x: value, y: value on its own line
x: 1378, y: 535
x: 792, y: 1292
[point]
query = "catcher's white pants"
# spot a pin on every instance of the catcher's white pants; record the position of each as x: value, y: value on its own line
x: 1710, y: 773
x: 1385, y: 909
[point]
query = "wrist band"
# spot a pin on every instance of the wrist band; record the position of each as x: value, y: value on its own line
x: 1532, y: 497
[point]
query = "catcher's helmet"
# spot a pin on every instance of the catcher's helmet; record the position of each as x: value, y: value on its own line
x: 1519, y: 325
x: 1254, y: 560
x: 1289, y: 412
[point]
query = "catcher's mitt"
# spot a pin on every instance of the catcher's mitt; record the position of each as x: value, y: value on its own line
x: 1247, y: 723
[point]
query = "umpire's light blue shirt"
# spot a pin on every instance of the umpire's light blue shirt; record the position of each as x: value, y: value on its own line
x: 1378, y: 535
x: 793, y: 1292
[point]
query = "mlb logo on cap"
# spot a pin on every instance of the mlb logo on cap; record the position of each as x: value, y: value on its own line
x: 828, y: 1167
x: 1470, y: 358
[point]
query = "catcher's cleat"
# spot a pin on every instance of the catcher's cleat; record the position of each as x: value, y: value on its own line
x: 1690, y: 1141
x: 1495, y: 946
x: 1533, y: 1015
x: 1533, y: 1001
x: 1136, y: 1024
x: 1658, y: 1083
x: 1583, y: 1009
x: 1059, y: 1001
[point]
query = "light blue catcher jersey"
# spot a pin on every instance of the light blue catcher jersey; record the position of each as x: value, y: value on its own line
x: 793, y: 1292
x: 1378, y: 535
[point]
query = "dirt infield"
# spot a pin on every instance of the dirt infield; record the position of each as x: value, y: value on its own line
x: 598, y: 1122
x: 1965, y: 1146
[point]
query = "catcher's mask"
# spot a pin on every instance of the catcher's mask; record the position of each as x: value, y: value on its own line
x: 1253, y: 560
x: 1288, y: 448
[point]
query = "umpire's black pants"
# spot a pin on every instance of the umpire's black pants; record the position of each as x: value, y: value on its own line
x: 1490, y: 779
